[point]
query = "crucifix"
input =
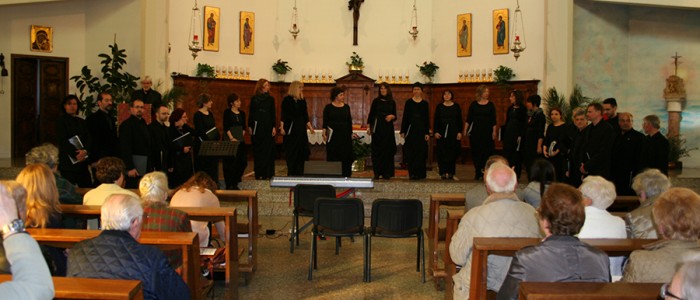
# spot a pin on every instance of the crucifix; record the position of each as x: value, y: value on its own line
x: 354, y: 5
x: 675, y: 63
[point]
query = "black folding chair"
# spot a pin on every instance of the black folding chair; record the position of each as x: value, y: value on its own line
x: 304, y: 197
x: 337, y: 218
x: 396, y: 219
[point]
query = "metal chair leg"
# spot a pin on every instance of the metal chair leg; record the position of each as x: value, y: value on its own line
x: 367, y: 258
x: 291, y: 238
x: 368, y: 255
x: 422, y: 254
x: 418, y: 250
x: 312, y: 256
x: 337, y: 245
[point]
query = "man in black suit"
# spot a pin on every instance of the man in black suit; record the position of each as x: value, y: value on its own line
x: 159, y: 135
x: 610, y: 114
x: 135, y: 145
x: 597, y: 143
x: 654, y: 146
x: 625, y: 161
x: 73, y: 144
x: 103, y: 131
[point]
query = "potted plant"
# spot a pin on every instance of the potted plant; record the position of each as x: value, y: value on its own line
x: 281, y: 68
x: 677, y: 150
x: 503, y: 74
x: 361, y: 151
x: 355, y: 65
x: 428, y: 70
x: 205, y: 70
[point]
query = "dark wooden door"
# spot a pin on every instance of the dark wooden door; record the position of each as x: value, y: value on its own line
x: 38, y: 87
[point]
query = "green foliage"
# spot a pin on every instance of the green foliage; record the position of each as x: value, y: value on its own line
x: 173, y: 96
x: 428, y: 69
x: 503, y: 74
x: 355, y: 60
x: 119, y: 83
x: 205, y: 70
x: 360, y: 149
x: 677, y: 148
x: 577, y: 99
x: 281, y: 67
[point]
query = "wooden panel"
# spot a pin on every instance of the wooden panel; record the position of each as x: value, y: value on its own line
x: 89, y: 288
x: 589, y: 290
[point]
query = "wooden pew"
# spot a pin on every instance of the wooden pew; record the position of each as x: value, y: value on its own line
x: 206, y: 214
x: 453, y: 218
x: 589, y: 290
x: 436, y: 200
x: 89, y: 288
x: 624, y: 204
x: 185, y: 241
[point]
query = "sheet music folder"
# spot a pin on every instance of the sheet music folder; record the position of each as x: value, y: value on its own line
x: 218, y: 148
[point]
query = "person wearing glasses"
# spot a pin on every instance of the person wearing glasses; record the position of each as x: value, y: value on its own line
x: 685, y: 284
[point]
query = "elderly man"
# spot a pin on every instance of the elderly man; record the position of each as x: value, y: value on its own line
x: 597, y: 142
x: 117, y: 254
x: 135, y: 145
x: 148, y: 95
x: 501, y: 215
x: 476, y: 196
x: 654, y: 147
x: 686, y: 282
x: 648, y: 185
x: 598, y: 195
x: 624, y: 162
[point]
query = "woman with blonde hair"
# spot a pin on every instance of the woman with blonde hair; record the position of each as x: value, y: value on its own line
x: 198, y: 191
x: 293, y: 125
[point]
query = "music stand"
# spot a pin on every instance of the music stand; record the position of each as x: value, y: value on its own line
x: 218, y: 148
x: 317, y: 168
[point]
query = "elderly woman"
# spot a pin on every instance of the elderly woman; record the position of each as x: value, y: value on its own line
x: 541, y: 174
x: 48, y: 154
x: 677, y: 216
x: 562, y: 215
x: 648, y: 185
x: 198, y: 191
x: 598, y: 195
x: 157, y: 215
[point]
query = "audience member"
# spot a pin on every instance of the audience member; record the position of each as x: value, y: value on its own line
x: 19, y: 194
x: 501, y: 215
x: 109, y: 172
x: 31, y: 278
x: 135, y: 145
x: 73, y: 141
x: 648, y: 185
x: 598, y: 195
x: 48, y: 154
x: 677, y: 216
x: 117, y: 254
x: 541, y: 174
x: 655, y: 146
x: 597, y: 142
x: 160, y: 141
x: 686, y: 282
x: 624, y: 161
x: 103, y: 131
x: 476, y: 195
x: 610, y: 114
x: 198, y: 191
x: 560, y: 257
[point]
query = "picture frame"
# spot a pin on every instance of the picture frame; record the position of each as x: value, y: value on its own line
x: 464, y: 35
x: 212, y: 28
x: 41, y: 38
x: 247, y: 33
x: 501, y: 31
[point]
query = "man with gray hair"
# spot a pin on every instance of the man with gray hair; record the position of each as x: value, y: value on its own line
x: 648, y: 185
x: 655, y: 146
x: 503, y: 214
x: 48, y: 154
x: 117, y: 254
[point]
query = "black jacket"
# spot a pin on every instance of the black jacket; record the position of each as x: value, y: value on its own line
x: 160, y: 142
x: 597, y: 148
x: 103, y: 133
x: 69, y: 126
x: 114, y: 254
x: 134, y: 139
x: 654, y: 153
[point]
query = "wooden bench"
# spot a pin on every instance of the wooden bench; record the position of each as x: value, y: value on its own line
x: 624, y: 204
x: 185, y: 241
x: 589, y: 290
x: 437, y: 200
x: 206, y: 214
x: 89, y: 288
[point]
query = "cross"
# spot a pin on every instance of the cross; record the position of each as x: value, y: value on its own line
x: 675, y: 62
x: 354, y: 5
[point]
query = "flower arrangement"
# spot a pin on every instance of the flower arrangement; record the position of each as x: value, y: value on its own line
x: 355, y: 61
x: 503, y: 74
x: 428, y: 69
x: 281, y: 67
x: 205, y: 70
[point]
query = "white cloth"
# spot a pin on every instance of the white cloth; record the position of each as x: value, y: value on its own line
x: 316, y: 138
x: 195, y: 198
x: 600, y: 224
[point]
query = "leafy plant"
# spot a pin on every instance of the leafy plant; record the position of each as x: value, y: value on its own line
x: 360, y: 149
x: 576, y: 99
x: 281, y: 67
x: 355, y: 61
x: 428, y: 69
x: 204, y: 70
x: 503, y: 74
x: 173, y: 96
x: 677, y: 148
x: 119, y: 83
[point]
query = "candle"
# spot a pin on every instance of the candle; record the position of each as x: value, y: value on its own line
x: 517, y: 37
x: 196, y: 37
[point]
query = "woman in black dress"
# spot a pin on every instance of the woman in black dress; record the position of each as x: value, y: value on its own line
x: 337, y: 133
x: 205, y: 130
x: 448, y: 134
x: 181, y: 154
x: 514, y: 131
x: 415, y: 129
x: 481, y: 128
x: 234, y: 122
x: 380, y: 125
x: 556, y: 142
x: 261, y: 127
x: 534, y: 134
x: 293, y: 125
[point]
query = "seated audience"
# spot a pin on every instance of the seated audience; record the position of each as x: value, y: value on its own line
x: 43, y: 209
x: 501, y: 215
x: 541, y: 174
x: 648, y: 185
x: 117, y: 254
x: 31, y: 278
x: 198, y: 191
x: 677, y: 216
x: 686, y: 282
x: 598, y: 195
x: 19, y: 195
x: 109, y: 171
x: 560, y: 257
x: 158, y: 216
x: 476, y: 195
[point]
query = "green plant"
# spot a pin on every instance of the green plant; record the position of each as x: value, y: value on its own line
x: 677, y: 148
x: 119, y: 83
x: 173, y: 96
x: 503, y: 74
x: 281, y: 67
x: 360, y: 149
x: 576, y: 99
x: 428, y: 69
x: 355, y: 61
x: 205, y: 70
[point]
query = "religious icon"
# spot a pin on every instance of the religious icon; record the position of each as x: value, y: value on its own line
x: 211, y: 28
x: 41, y: 39
x: 247, y: 35
x: 464, y: 35
x: 500, y: 31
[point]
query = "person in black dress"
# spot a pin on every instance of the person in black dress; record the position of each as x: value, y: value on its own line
x: 415, y: 129
x: 380, y: 125
x: 448, y: 134
x: 534, y: 133
x: 293, y: 125
x: 181, y: 135
x: 73, y: 155
x: 556, y: 142
x: 261, y: 127
x: 234, y: 122
x: 514, y: 131
x: 205, y: 130
x: 481, y: 128
x: 337, y: 133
